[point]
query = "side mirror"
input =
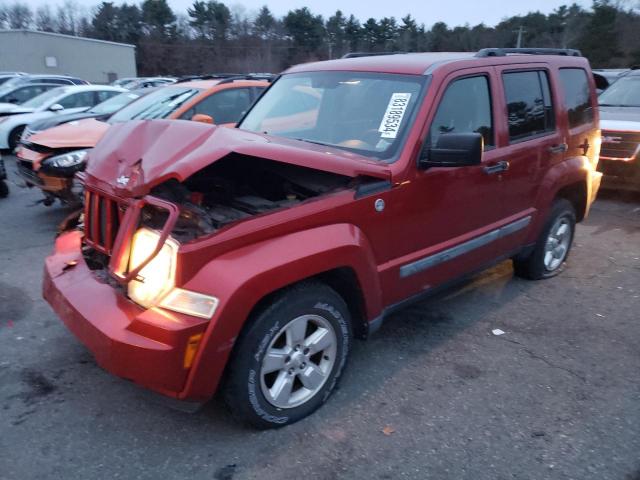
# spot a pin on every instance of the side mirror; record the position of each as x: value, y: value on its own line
x: 202, y: 118
x: 12, y: 100
x: 454, y: 150
x: 56, y: 107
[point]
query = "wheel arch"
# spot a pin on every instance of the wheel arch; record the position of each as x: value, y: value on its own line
x: 343, y: 261
x: 576, y: 193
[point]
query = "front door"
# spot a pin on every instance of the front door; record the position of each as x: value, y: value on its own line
x: 448, y: 216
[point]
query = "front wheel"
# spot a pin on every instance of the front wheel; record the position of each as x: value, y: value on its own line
x: 552, y: 247
x: 14, y: 137
x: 288, y: 362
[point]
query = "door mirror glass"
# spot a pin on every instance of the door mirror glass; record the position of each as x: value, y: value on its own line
x: 56, y: 107
x: 454, y: 150
x: 202, y: 118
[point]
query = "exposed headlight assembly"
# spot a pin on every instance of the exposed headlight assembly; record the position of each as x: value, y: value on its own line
x: 67, y: 160
x: 155, y: 282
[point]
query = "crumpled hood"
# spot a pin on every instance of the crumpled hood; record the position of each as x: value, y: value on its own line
x: 77, y: 134
x: 135, y: 156
x: 620, y: 118
x: 12, y: 108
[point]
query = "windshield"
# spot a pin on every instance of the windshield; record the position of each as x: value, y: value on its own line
x: 44, y: 98
x: 158, y: 104
x: 624, y: 93
x: 114, y: 104
x: 368, y: 113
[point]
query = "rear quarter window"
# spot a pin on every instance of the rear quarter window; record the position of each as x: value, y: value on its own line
x: 577, y: 96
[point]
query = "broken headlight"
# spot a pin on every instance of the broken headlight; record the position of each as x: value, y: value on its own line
x: 67, y: 160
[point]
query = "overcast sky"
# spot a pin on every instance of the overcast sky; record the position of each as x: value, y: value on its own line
x: 453, y: 12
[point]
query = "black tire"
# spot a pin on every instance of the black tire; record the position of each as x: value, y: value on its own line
x: 533, y: 266
x: 4, y: 189
x: 243, y: 387
x: 14, y: 137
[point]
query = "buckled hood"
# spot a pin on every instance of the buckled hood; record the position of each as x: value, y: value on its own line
x: 133, y: 157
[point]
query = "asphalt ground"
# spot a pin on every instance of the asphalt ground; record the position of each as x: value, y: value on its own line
x: 434, y: 394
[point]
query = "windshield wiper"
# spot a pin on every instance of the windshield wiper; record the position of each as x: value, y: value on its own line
x: 314, y: 142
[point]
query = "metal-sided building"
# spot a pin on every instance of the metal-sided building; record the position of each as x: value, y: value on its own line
x: 97, y: 61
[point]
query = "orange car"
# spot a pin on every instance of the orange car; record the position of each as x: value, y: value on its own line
x: 50, y: 159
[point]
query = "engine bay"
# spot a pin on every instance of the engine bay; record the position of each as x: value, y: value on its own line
x: 235, y: 188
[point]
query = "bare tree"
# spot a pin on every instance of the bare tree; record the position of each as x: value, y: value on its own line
x: 45, y: 20
x: 19, y: 16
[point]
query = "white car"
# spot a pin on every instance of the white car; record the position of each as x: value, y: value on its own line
x: 71, y: 99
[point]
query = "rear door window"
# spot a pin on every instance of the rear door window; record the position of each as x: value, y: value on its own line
x: 577, y: 96
x: 529, y: 104
x: 465, y: 108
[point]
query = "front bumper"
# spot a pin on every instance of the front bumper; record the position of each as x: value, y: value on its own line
x: 29, y: 169
x: 145, y: 346
x: 620, y: 175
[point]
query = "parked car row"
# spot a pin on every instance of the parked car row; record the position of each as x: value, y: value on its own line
x: 49, y: 158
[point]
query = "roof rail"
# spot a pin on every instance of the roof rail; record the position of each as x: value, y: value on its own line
x: 502, y: 52
x: 369, y: 54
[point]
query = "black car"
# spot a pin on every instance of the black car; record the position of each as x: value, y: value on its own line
x: 620, y: 124
x: 100, y: 111
x: 21, y: 93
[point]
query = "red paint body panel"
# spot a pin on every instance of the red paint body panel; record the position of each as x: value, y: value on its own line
x: 427, y: 212
x: 146, y: 346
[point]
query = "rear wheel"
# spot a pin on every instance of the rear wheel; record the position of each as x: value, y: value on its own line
x: 14, y: 137
x: 552, y: 247
x: 289, y: 360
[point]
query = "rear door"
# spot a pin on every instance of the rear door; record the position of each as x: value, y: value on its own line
x: 533, y: 141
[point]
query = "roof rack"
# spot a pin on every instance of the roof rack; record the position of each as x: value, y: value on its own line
x: 268, y: 77
x: 502, y: 52
x: 369, y: 54
x: 209, y: 76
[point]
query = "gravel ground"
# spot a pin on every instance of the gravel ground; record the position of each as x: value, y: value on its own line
x: 434, y: 394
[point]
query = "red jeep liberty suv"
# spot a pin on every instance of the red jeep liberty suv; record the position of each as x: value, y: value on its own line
x: 249, y: 258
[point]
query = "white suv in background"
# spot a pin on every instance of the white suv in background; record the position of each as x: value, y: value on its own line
x: 71, y: 99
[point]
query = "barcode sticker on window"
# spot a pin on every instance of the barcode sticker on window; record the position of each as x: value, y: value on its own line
x: 393, y: 116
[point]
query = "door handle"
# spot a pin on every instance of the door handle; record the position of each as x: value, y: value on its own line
x: 584, y: 146
x: 499, y: 167
x: 560, y: 148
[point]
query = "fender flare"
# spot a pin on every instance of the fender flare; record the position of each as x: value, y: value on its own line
x: 570, y: 171
x: 241, y: 278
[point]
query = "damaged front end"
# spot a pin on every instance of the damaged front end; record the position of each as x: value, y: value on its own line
x: 53, y: 171
x: 161, y: 200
